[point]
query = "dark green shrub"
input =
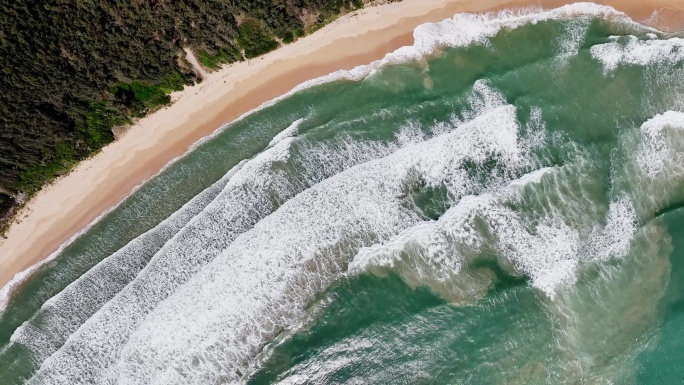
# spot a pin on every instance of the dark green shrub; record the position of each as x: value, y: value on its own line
x: 288, y: 37
x: 224, y: 55
x: 254, y: 39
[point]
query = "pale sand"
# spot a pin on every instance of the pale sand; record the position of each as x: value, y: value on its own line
x: 67, y: 206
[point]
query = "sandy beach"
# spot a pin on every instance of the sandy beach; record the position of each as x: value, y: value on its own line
x: 69, y: 204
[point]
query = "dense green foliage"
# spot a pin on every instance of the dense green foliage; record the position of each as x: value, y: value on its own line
x: 222, y: 55
x: 254, y: 38
x: 71, y: 70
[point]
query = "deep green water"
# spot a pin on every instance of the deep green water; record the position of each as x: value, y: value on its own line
x: 504, y: 207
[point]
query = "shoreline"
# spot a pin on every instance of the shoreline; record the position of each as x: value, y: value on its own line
x: 67, y: 207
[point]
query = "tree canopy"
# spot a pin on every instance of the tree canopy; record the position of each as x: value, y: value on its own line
x: 73, y: 69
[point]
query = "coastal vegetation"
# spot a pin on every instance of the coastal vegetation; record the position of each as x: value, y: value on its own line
x: 74, y: 70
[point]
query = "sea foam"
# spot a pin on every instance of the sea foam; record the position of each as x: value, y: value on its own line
x: 252, y: 190
x: 258, y: 282
x: 64, y: 313
x: 661, y: 136
x: 461, y: 30
x: 432, y: 254
x: 639, y: 52
x: 261, y: 284
x: 467, y: 29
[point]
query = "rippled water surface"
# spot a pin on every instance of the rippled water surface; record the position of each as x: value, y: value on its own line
x: 500, y: 203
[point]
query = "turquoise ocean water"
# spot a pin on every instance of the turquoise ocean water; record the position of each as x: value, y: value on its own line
x: 502, y: 203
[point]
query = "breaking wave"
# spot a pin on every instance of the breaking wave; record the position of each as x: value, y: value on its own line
x: 482, y: 169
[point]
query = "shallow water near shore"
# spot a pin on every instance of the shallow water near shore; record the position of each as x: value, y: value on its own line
x: 500, y: 203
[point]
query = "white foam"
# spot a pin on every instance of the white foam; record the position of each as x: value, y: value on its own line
x: 613, y: 239
x: 20, y: 278
x: 249, y: 195
x: 337, y: 357
x: 286, y: 133
x: 639, y: 52
x: 532, y: 177
x: 432, y: 253
x: 654, y: 126
x: 655, y: 167
x: 659, y: 148
x: 246, y: 197
x: 467, y: 29
x: 575, y: 34
x: 429, y: 253
x: 260, y: 285
x: 548, y: 252
x: 461, y: 30
x: 483, y: 98
x: 62, y: 314
x: 235, y: 270
x: 410, y: 133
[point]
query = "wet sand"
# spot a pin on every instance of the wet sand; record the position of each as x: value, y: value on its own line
x: 67, y: 206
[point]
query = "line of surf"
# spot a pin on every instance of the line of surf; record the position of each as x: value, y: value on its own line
x: 461, y: 30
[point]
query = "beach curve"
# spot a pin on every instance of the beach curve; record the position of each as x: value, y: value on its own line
x: 65, y: 208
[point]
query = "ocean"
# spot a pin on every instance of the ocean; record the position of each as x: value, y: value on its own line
x: 501, y: 203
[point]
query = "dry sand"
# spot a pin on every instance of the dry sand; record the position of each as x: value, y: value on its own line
x: 61, y: 210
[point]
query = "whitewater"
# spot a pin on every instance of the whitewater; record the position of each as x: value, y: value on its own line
x: 499, y: 203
